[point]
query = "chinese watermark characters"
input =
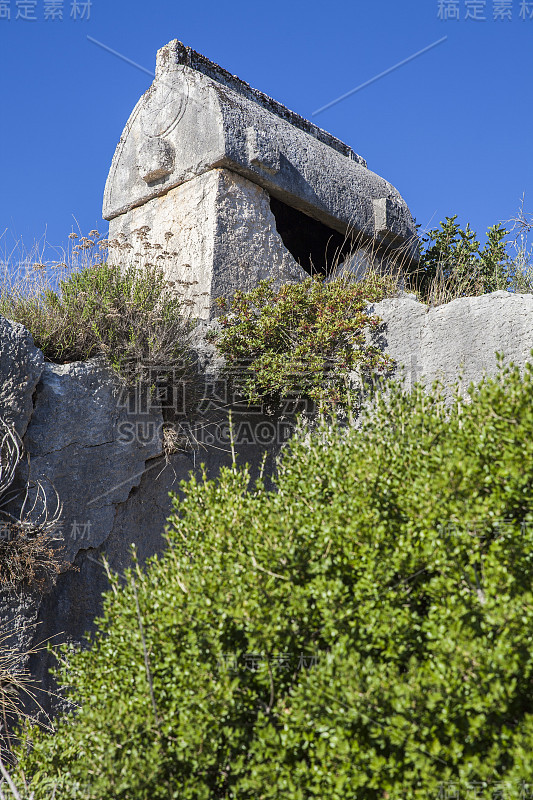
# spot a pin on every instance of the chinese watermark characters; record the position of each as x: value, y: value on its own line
x: 482, y: 10
x: 503, y: 790
x: 36, y: 10
x: 483, y: 528
x: 259, y: 662
x: 80, y: 530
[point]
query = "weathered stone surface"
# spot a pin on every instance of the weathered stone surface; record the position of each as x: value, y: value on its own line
x: 80, y: 439
x: 459, y: 337
x: 208, y: 217
x: 207, y: 118
x: 21, y: 365
x: 201, y: 155
x: 19, y: 625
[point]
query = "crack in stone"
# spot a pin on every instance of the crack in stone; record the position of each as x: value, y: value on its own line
x: 71, y: 444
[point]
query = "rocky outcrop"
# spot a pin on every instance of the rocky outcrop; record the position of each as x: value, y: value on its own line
x: 21, y: 366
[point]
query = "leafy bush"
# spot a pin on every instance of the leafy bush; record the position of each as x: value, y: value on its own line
x: 132, y: 317
x: 364, y: 631
x: 453, y: 263
x: 15, y: 787
x: 302, y: 341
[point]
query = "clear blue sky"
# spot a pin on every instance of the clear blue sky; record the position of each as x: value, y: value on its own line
x: 451, y: 129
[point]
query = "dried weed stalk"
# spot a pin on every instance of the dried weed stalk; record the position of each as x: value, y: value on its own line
x: 29, y: 552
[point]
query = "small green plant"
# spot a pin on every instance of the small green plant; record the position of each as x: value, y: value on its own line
x: 303, y: 340
x: 131, y: 316
x: 453, y: 263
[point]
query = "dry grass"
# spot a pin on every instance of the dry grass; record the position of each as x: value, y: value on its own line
x: 447, y: 286
x: 28, y: 560
x: 452, y: 280
x: 521, y: 227
x: 17, y: 686
x: 26, y: 272
x: 29, y: 554
x: 361, y: 256
x: 132, y: 316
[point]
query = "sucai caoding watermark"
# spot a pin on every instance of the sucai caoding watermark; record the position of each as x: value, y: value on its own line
x: 209, y: 434
x: 162, y: 388
x: 45, y: 10
x: 162, y: 402
x: 483, y: 10
x: 481, y: 790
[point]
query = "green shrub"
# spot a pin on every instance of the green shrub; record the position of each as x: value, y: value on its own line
x: 453, y: 263
x: 302, y: 341
x: 132, y: 317
x: 14, y: 786
x: 365, y: 631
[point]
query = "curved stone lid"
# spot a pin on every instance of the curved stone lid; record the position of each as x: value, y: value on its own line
x: 175, y: 52
x: 196, y: 117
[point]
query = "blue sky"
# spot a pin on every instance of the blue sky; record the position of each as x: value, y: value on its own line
x: 451, y: 129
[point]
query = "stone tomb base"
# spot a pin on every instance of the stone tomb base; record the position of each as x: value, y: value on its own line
x: 215, y: 233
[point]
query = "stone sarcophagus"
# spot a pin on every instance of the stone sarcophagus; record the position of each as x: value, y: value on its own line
x: 222, y: 186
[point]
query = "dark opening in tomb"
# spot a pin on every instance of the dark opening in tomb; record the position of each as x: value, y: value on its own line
x: 312, y: 244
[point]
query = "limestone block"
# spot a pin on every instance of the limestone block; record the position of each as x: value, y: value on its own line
x: 79, y: 440
x: 461, y: 336
x: 212, y: 235
x: 196, y: 117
